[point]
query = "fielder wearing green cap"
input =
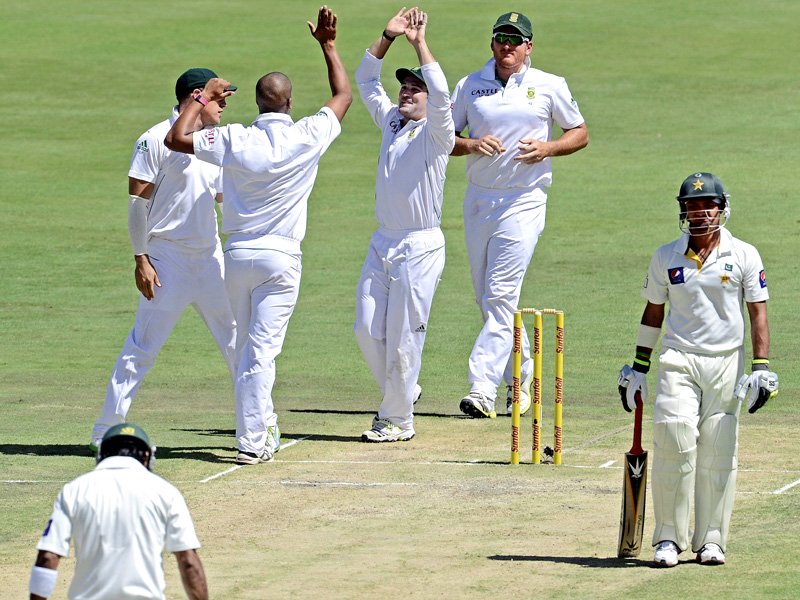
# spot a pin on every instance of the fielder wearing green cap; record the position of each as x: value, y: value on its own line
x: 120, y: 518
x: 406, y: 254
x: 708, y: 278
x: 510, y: 109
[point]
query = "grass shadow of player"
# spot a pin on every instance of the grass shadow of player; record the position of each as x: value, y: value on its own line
x: 589, y: 562
x: 330, y: 411
x: 205, y: 454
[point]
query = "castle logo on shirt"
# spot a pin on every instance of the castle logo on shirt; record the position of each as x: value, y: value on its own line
x: 675, y: 275
x: 762, y: 278
x: 210, y: 135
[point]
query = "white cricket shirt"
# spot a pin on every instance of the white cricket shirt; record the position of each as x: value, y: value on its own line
x: 706, y: 303
x: 525, y: 108
x: 182, y: 207
x: 120, y: 517
x: 269, y: 168
x: 412, y: 164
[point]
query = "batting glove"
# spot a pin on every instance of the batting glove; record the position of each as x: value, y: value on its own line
x: 629, y: 382
x: 762, y: 385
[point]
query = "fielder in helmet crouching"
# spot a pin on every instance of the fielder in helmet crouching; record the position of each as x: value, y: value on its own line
x: 708, y: 277
x: 120, y: 517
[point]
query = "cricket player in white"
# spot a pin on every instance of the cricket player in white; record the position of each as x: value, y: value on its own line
x: 269, y: 168
x: 509, y: 108
x: 120, y: 518
x: 406, y: 254
x: 172, y: 223
x: 708, y: 277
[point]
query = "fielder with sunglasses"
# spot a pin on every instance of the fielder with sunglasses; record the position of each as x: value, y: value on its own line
x: 509, y: 108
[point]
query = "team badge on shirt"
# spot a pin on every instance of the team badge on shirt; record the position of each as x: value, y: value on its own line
x: 675, y: 275
x: 762, y: 278
x: 531, y: 93
x: 411, y: 134
x: 728, y: 267
x: 725, y: 279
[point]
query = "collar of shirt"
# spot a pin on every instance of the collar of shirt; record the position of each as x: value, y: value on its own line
x: 175, y: 115
x: 263, y: 120
x: 724, y: 247
x: 489, y: 72
x: 119, y: 462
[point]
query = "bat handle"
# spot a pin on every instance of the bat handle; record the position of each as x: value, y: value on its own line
x: 637, y: 426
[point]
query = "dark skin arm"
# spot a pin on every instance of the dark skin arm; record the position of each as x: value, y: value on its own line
x: 46, y: 560
x: 179, y: 137
x: 192, y: 575
x: 759, y: 329
x: 144, y: 272
x: 653, y: 316
x: 325, y: 33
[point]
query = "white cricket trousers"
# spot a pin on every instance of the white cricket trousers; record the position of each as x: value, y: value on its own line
x: 187, y: 278
x: 501, y: 228
x: 263, y: 286
x: 393, y: 304
x: 695, y: 440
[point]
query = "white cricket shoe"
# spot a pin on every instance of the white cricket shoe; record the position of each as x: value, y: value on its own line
x: 386, y: 431
x: 711, y: 554
x: 666, y: 554
x: 524, y: 398
x: 417, y: 393
x: 251, y: 458
x: 478, y: 406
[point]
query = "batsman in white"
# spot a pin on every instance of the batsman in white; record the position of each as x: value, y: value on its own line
x: 510, y: 108
x: 172, y: 223
x: 708, y: 277
x: 270, y: 168
x: 406, y: 254
x: 120, y: 518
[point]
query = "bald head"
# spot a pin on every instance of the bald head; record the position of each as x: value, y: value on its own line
x: 274, y: 93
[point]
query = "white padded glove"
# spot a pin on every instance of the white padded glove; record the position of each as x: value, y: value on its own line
x: 762, y: 385
x: 629, y: 383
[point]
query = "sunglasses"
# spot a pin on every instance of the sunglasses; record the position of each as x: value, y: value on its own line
x: 513, y: 39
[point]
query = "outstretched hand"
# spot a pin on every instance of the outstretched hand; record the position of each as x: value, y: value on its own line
x: 216, y: 89
x: 325, y: 30
x: 415, y: 27
x: 397, y: 24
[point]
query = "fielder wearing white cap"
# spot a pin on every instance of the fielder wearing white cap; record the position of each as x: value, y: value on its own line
x: 269, y: 168
x: 708, y: 277
x: 509, y: 108
x: 406, y: 254
x: 172, y: 223
x: 120, y: 518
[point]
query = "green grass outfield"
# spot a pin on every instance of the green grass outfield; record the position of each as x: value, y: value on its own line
x: 667, y: 88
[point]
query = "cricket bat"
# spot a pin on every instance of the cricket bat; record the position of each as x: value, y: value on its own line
x: 634, y: 492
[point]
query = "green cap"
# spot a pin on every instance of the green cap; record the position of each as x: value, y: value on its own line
x: 127, y: 430
x: 192, y: 80
x: 703, y: 185
x: 401, y: 74
x: 516, y: 20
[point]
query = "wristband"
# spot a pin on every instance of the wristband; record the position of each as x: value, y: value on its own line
x: 760, y: 364
x: 201, y: 99
x: 387, y: 36
x: 42, y: 581
x: 641, y: 365
x: 647, y: 336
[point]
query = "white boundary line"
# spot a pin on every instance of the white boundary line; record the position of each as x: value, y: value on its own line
x: 607, y: 465
x: 288, y: 444
x: 787, y: 487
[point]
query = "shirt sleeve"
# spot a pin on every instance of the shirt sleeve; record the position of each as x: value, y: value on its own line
x: 319, y: 129
x: 565, y: 109
x: 459, y: 106
x: 180, y: 528
x: 655, y: 284
x: 374, y: 97
x: 439, y: 115
x: 754, y: 278
x: 212, y: 144
x: 146, y: 158
x: 58, y: 531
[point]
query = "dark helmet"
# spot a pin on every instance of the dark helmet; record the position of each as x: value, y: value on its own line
x: 703, y: 185
x: 129, y: 440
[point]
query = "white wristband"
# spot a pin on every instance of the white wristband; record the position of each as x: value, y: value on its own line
x: 137, y: 224
x: 42, y: 582
x: 648, y: 336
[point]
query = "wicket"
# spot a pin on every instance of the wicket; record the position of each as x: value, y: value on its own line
x: 536, y: 384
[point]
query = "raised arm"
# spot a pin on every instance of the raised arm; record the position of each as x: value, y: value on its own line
x: 179, y: 137
x: 325, y: 33
x: 394, y: 28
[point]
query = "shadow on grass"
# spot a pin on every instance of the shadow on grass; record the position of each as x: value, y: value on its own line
x: 317, y: 437
x: 162, y: 452
x: 591, y: 562
x: 330, y: 411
